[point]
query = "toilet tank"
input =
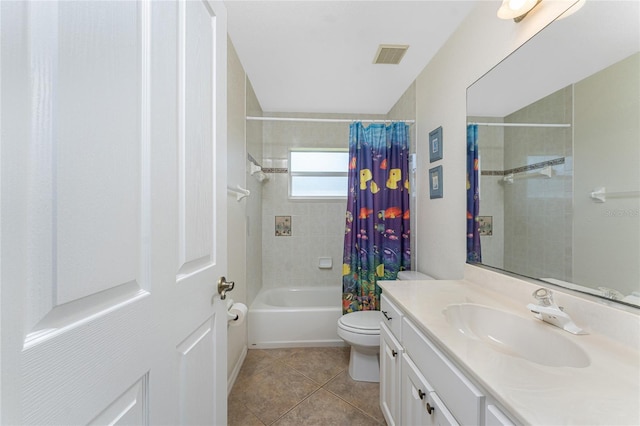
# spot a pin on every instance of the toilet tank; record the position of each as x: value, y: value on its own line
x: 413, y: 276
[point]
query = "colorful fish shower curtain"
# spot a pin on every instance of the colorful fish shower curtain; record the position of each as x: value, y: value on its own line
x: 376, y: 241
x: 474, y: 254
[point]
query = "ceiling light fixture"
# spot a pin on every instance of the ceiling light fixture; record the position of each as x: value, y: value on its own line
x: 516, y: 9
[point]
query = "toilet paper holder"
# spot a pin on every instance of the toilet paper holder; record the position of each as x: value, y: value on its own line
x: 236, y: 313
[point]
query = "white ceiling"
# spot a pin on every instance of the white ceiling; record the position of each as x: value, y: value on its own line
x: 317, y: 56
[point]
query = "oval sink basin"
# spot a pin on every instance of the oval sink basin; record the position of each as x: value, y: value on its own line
x: 515, y: 336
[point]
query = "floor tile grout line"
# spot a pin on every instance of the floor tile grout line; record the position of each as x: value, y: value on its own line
x: 295, y: 405
x: 354, y: 406
x: 314, y: 380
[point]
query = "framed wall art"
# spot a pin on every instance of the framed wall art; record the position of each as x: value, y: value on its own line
x: 435, y: 182
x: 435, y: 145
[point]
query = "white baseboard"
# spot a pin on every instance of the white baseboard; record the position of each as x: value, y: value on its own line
x: 236, y: 370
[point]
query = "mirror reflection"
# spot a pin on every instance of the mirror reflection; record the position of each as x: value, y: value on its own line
x: 558, y: 130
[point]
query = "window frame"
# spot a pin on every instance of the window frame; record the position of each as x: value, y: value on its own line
x: 292, y: 174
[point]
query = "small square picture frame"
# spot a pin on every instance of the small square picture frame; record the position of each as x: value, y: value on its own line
x: 435, y: 145
x: 283, y: 226
x: 435, y: 182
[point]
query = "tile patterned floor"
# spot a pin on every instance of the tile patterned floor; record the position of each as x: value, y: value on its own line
x: 301, y: 386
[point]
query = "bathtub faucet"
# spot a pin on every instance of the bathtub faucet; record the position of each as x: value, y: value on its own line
x: 548, y: 311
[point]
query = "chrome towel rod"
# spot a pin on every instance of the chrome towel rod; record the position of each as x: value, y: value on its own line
x: 521, y: 124
x: 326, y: 120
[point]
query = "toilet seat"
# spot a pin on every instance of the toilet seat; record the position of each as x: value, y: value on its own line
x: 361, y: 322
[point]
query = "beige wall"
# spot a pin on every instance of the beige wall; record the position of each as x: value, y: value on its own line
x: 480, y: 43
x: 607, y: 153
x: 244, y: 226
x: 254, y: 203
x: 236, y: 211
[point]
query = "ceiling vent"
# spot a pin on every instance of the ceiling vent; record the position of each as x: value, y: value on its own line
x: 390, y: 53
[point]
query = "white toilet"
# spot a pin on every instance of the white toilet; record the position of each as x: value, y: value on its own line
x: 361, y: 330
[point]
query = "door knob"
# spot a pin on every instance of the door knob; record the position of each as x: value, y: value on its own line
x: 224, y: 287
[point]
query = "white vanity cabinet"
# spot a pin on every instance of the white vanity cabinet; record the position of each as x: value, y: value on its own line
x: 420, y: 385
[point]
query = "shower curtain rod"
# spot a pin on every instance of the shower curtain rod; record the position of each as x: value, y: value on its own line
x: 326, y: 120
x: 521, y: 124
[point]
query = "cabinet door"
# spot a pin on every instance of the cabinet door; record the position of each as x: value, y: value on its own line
x: 414, y: 390
x: 390, y: 364
x: 420, y: 404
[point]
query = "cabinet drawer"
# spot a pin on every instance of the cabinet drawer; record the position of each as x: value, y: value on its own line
x: 391, y: 316
x: 462, y: 397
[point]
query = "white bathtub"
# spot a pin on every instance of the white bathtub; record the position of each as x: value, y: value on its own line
x: 295, y: 317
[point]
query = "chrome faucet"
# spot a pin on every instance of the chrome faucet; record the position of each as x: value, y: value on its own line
x: 547, y: 311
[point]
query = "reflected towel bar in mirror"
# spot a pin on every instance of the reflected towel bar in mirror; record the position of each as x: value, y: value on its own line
x: 600, y: 195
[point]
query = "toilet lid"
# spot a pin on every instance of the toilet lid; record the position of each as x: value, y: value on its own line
x: 362, y: 320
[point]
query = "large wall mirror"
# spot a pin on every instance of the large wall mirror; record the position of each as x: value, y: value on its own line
x: 558, y: 130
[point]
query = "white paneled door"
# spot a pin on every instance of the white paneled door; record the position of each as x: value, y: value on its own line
x: 113, y: 214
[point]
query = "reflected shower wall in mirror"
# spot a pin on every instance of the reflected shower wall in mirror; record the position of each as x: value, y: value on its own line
x: 532, y: 209
x: 536, y: 181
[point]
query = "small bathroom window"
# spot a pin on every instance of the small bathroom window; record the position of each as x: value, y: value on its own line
x: 318, y: 174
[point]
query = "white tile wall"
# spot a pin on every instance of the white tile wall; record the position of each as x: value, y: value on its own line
x: 317, y: 228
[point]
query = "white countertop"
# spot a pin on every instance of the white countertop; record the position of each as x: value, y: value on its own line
x: 606, y: 392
